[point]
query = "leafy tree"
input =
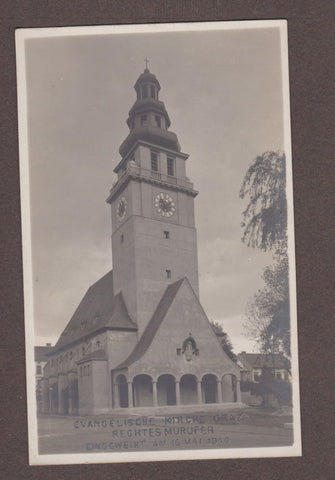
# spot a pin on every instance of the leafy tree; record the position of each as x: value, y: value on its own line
x: 274, y: 392
x: 224, y: 339
x: 265, y: 218
x: 265, y: 227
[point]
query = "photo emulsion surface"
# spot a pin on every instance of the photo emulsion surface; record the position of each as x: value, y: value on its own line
x: 158, y: 242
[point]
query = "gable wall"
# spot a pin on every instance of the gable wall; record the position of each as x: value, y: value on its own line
x: 184, y: 316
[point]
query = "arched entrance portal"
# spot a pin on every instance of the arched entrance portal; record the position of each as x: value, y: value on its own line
x: 122, y: 393
x: 166, y: 390
x: 188, y: 390
x: 142, y: 388
x: 209, y: 388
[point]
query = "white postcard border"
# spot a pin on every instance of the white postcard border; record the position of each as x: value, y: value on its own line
x: 35, y: 458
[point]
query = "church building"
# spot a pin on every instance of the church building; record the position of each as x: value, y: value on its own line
x: 140, y: 337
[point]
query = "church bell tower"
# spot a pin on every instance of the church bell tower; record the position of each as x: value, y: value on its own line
x: 152, y: 203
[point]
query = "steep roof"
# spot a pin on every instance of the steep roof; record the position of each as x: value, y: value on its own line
x: 99, y: 309
x: 261, y: 360
x: 41, y: 353
x: 154, y: 324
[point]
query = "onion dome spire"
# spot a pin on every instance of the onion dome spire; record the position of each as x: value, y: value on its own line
x: 148, y: 119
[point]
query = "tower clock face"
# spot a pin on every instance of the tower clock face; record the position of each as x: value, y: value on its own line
x: 164, y: 204
x: 121, y: 208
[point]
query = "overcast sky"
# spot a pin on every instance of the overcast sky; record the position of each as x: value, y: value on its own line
x: 223, y: 93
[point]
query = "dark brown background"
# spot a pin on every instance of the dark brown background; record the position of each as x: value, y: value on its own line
x: 311, y: 47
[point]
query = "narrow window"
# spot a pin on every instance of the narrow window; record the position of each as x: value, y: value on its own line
x: 168, y: 274
x: 88, y: 370
x: 122, y: 238
x: 166, y: 234
x: 158, y: 120
x: 154, y: 161
x: 143, y: 119
x: 38, y: 370
x: 170, y: 166
x: 145, y: 91
x: 152, y: 91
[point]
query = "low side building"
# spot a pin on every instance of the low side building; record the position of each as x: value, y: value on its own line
x: 253, y: 364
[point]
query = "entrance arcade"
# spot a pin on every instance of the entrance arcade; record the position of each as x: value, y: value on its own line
x: 167, y: 390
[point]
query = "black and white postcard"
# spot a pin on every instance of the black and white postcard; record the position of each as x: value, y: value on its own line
x: 158, y: 242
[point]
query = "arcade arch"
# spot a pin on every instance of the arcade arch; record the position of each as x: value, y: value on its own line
x: 166, y: 390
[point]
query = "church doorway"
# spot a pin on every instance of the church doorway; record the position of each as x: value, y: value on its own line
x: 166, y: 390
x: 209, y: 386
x: 188, y: 390
x: 142, y: 388
x: 122, y: 385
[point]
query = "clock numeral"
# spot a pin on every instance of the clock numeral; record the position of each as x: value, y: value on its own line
x: 122, y: 208
x: 164, y: 204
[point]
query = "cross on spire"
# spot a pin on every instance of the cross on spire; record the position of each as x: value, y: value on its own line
x: 146, y: 63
